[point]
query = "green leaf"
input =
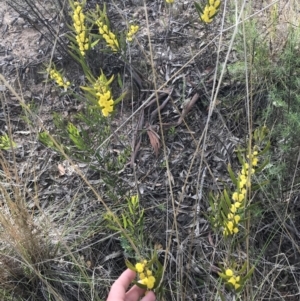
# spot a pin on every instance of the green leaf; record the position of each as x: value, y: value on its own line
x: 125, y: 221
x: 94, y: 43
x: 221, y: 296
x: 223, y: 276
x: 262, y: 166
x: 267, y: 147
x: 120, y: 82
x: 232, y: 176
x: 249, y: 274
x: 130, y: 207
x: 259, y: 185
x: 227, y: 199
x: 129, y: 221
x: 241, y: 160
x: 158, y: 275
x: 225, y: 209
x: 198, y: 8
x: 243, y: 269
x: 139, y: 285
x: 130, y: 265
x: 120, y: 98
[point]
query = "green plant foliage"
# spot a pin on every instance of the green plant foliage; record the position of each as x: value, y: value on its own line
x: 149, y: 272
x: 132, y: 220
x: 6, y: 143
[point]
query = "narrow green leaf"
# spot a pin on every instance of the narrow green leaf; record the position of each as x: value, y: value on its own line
x: 243, y: 269
x: 227, y: 199
x: 221, y: 296
x: 130, y: 207
x: 267, y: 147
x: 232, y: 176
x: 125, y: 221
x: 259, y: 185
x: 249, y: 274
x: 223, y: 276
x: 130, y: 265
x: 120, y: 83
x: 241, y: 160
x: 94, y: 43
x: 262, y: 166
x: 198, y: 8
x: 139, y: 285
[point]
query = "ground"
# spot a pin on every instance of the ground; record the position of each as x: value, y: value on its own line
x: 197, y: 136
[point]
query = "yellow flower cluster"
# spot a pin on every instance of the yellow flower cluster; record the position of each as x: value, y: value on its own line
x: 233, y: 279
x: 132, y: 31
x: 210, y: 10
x: 145, y: 275
x: 108, y: 36
x: 169, y: 1
x: 244, y: 182
x: 104, y: 95
x: 58, y: 78
x: 231, y: 225
x: 80, y: 29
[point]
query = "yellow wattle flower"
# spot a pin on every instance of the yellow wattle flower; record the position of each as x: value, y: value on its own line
x: 139, y: 267
x: 229, y: 272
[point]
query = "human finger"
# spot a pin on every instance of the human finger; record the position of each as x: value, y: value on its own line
x: 149, y: 297
x: 118, y: 289
x: 134, y: 293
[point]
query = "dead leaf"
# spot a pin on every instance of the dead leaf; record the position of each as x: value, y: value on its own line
x: 154, y: 139
x: 61, y: 170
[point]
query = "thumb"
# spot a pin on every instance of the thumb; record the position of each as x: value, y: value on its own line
x: 149, y: 297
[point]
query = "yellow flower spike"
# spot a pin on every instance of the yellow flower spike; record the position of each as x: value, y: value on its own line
x: 237, y: 205
x: 230, y: 216
x: 217, y: 4
x: 229, y: 225
x: 254, y: 161
x: 149, y: 273
x: 108, y: 36
x: 233, y: 209
x: 106, y: 111
x: 58, y: 78
x: 242, y: 181
x: 105, y: 28
x: 205, y: 18
x: 237, y: 218
x: 80, y: 29
x: 140, y: 267
x: 150, y: 282
x: 229, y: 273
x: 212, y: 10
x: 238, y: 197
x: 170, y: 1
x: 144, y: 281
x: 232, y: 280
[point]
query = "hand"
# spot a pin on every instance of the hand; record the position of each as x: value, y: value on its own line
x: 118, y: 289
